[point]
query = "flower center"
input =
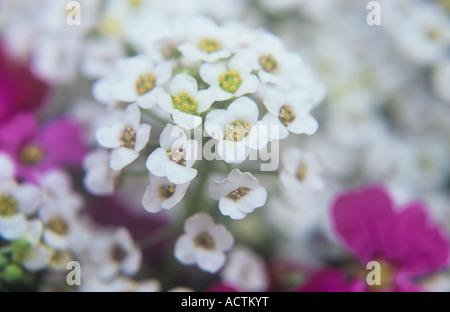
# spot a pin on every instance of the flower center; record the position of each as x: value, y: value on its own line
x: 128, y: 138
x: 8, y: 206
x: 31, y: 154
x: 145, y: 83
x: 237, y: 131
x: 434, y: 33
x: 238, y: 194
x: 177, y: 156
x: 209, y: 45
x: 302, y: 171
x: 185, y: 103
x: 286, y: 115
x: 58, y: 225
x: 166, y: 191
x: 117, y: 253
x: 269, y: 63
x: 204, y: 241
x: 230, y: 81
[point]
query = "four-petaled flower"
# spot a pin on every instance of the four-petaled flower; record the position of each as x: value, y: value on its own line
x: 204, y: 243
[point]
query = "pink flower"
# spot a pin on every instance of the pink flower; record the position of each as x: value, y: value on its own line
x: 20, y: 91
x: 404, y: 242
x: 36, y: 150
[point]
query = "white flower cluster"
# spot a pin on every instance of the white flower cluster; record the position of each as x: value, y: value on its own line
x: 41, y: 228
x: 241, y: 85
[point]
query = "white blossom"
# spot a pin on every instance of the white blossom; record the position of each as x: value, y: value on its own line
x: 185, y: 102
x: 162, y: 194
x: 126, y: 137
x: 203, y: 243
x: 246, y: 270
x: 175, y: 158
x: 238, y: 194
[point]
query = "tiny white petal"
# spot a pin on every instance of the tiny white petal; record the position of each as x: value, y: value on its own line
x: 122, y: 157
x: 156, y: 162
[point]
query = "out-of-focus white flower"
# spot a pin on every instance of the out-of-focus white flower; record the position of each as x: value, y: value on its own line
x: 274, y: 64
x: 162, y: 194
x: 232, y: 79
x: 57, y: 226
x: 207, y: 41
x: 238, y: 194
x: 290, y: 111
x: 204, y: 243
x: 421, y: 30
x: 140, y: 80
x: 440, y: 79
x: 99, y: 57
x: 58, y: 192
x: 232, y: 129
x: 246, y: 270
x: 16, y: 201
x: 185, y: 102
x: 55, y: 58
x: 126, y: 137
x: 113, y: 253
x: 302, y: 172
x: 38, y: 256
x: 175, y: 158
x: 100, y: 179
x: 7, y: 169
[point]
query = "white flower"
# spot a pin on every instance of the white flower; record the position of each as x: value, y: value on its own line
x: 302, y: 171
x: 162, y: 194
x: 99, y: 56
x: 57, y: 226
x: 290, y: 111
x: 100, y: 179
x: 440, y: 79
x: 246, y: 270
x: 126, y: 137
x: 140, y: 80
x: 274, y: 64
x: 38, y: 256
x: 57, y: 189
x: 175, y: 158
x: 230, y: 80
x: 185, y: 102
x: 238, y: 194
x: 204, y: 243
x: 16, y: 201
x: 113, y: 253
x: 207, y: 41
x: 232, y: 128
x: 7, y: 170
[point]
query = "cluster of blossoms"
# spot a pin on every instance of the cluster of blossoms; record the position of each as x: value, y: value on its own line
x: 167, y: 142
x: 238, y: 84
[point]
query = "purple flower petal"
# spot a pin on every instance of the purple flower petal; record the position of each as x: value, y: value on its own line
x: 63, y: 142
x: 416, y: 246
x: 364, y: 221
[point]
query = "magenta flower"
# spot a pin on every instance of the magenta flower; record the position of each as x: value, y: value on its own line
x: 20, y: 90
x: 404, y: 242
x: 36, y: 150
